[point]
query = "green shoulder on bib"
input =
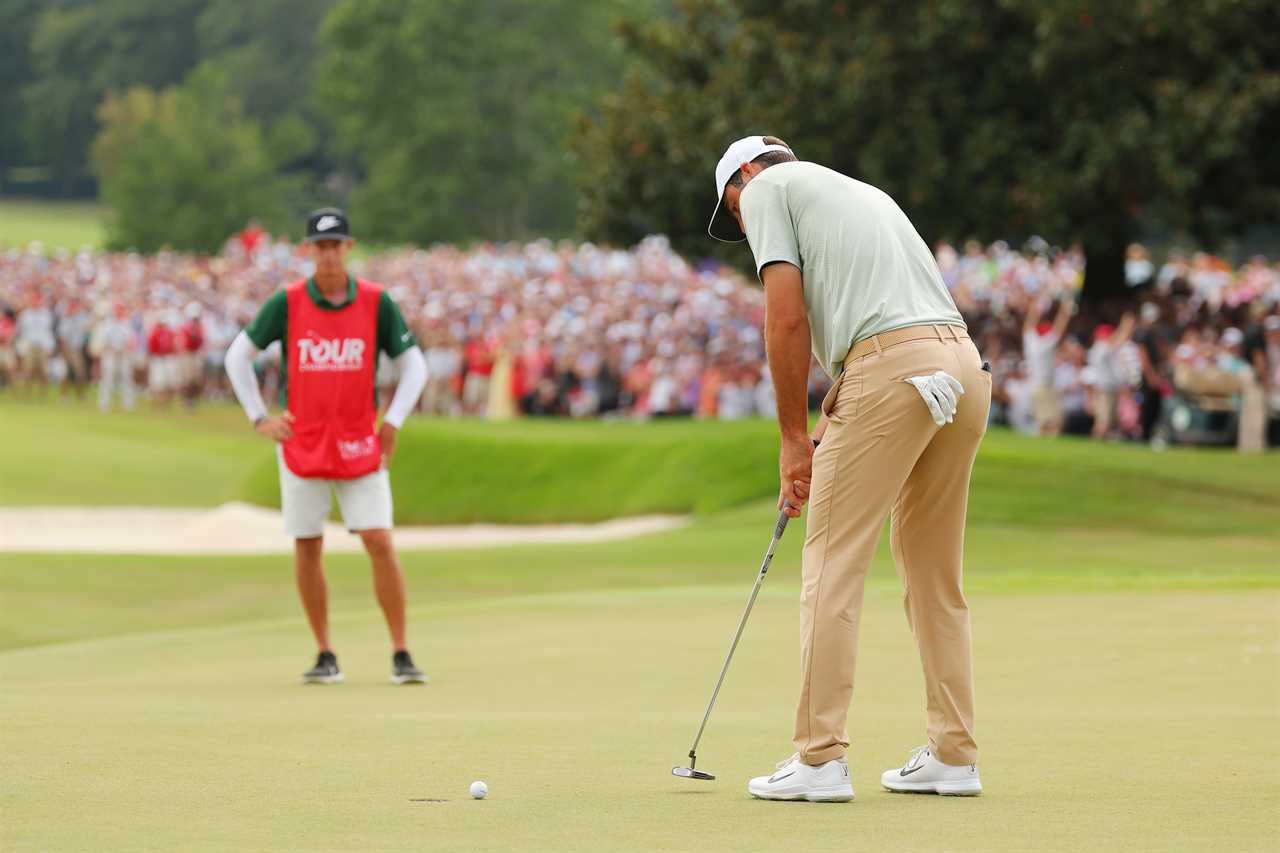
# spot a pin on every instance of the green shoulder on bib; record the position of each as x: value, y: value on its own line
x: 271, y: 324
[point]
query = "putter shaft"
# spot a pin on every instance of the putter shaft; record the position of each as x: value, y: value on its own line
x: 742, y: 623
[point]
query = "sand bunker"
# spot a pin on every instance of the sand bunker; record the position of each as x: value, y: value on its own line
x: 237, y: 528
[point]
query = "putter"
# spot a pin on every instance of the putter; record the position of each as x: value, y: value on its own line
x: 691, y: 772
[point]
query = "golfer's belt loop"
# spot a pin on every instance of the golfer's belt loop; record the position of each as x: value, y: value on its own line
x: 938, y: 332
x: 875, y: 340
x: 955, y: 336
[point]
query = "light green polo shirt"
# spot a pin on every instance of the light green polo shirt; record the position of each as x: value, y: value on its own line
x: 865, y: 268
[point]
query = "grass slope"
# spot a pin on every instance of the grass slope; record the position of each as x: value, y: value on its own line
x: 546, y: 471
x: 54, y: 454
x: 540, y: 471
x: 68, y: 225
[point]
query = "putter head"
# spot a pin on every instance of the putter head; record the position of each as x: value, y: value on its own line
x: 690, y: 773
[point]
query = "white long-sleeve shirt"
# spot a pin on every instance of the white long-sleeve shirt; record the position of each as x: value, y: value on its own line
x: 239, y: 364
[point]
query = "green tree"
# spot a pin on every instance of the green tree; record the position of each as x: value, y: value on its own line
x: 1080, y: 120
x: 17, y: 22
x: 80, y: 50
x: 267, y: 52
x: 183, y: 167
x: 459, y: 113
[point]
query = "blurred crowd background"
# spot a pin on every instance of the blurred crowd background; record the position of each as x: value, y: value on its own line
x: 579, y: 330
x: 565, y: 127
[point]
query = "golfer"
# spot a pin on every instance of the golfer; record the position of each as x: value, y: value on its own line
x: 332, y: 327
x: 848, y: 279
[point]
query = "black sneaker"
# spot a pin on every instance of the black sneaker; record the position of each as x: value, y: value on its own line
x: 325, y: 671
x: 404, y: 672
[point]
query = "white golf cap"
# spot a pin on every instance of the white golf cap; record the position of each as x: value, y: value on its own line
x: 723, y: 226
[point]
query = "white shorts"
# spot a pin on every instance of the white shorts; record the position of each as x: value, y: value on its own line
x: 162, y: 373
x: 305, y: 501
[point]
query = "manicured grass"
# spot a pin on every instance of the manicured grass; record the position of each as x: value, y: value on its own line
x: 1121, y: 721
x: 68, y: 225
x: 50, y: 598
x: 1126, y: 625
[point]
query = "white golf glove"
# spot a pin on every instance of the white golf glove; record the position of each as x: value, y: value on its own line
x: 941, y: 393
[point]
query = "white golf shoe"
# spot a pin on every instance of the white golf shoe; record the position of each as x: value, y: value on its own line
x: 925, y: 774
x: 795, y: 780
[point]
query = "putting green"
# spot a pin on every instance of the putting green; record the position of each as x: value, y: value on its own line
x: 1127, y: 634
x: 1130, y: 720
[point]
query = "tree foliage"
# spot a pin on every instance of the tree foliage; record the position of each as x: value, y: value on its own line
x: 17, y: 23
x: 60, y: 59
x: 267, y: 53
x: 183, y: 167
x: 460, y: 113
x: 81, y: 50
x: 1079, y: 119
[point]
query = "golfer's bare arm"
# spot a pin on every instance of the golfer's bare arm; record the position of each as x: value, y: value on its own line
x: 1065, y: 309
x: 787, y: 341
x: 1033, y: 317
x: 792, y: 331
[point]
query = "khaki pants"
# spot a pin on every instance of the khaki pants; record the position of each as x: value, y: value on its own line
x: 881, y: 452
x: 77, y: 366
x: 1046, y: 408
x: 475, y: 394
x: 35, y: 362
x: 438, y: 398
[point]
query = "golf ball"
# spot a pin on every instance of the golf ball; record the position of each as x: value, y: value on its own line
x: 479, y: 790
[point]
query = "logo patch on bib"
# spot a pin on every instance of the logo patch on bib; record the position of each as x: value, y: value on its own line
x: 358, y: 448
x: 330, y: 354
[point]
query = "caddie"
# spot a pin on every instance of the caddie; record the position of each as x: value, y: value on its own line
x: 331, y: 327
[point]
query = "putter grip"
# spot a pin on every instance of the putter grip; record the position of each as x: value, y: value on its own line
x: 782, y: 525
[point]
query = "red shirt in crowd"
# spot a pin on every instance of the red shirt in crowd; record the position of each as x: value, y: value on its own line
x: 250, y: 237
x: 162, y: 341
x: 478, y: 357
x: 191, y: 336
x: 526, y: 369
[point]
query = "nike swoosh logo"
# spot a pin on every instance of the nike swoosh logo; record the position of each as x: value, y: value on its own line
x: 773, y: 779
x: 906, y: 772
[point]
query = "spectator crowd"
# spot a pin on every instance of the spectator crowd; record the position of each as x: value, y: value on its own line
x: 580, y: 330
x: 1197, y: 359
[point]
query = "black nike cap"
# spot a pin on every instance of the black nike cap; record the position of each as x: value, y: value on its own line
x: 328, y: 223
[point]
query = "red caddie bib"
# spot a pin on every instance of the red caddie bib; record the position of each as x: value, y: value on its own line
x: 332, y: 359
